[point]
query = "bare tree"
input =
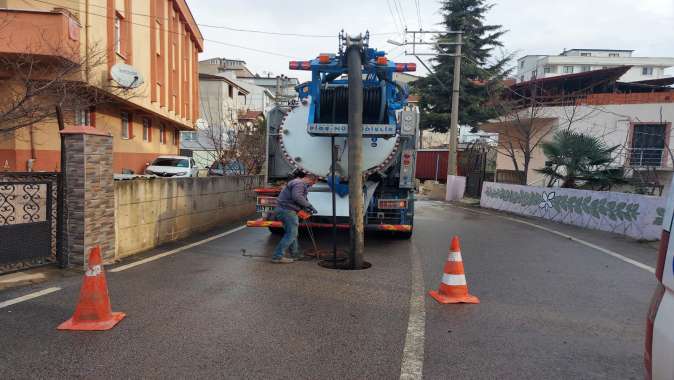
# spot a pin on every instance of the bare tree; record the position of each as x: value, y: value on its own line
x: 251, y: 143
x: 49, y: 72
x: 522, y: 125
x: 239, y: 146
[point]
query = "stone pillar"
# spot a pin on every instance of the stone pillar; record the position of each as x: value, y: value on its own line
x: 90, y: 193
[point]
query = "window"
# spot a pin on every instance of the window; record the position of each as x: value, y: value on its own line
x: 83, y: 117
x: 550, y: 69
x: 585, y: 54
x: 176, y: 137
x: 613, y: 55
x: 147, y: 130
x: 118, y: 33
x: 158, y: 35
x: 189, y: 136
x: 647, y: 71
x: 162, y: 134
x: 126, y: 125
x: 522, y: 64
x: 568, y: 69
x: 174, y: 162
x: 534, y: 74
x: 521, y: 78
x: 585, y: 68
x: 174, y: 60
x: 230, y: 90
x: 648, y: 144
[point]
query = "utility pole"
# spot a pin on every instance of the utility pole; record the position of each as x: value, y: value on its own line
x: 354, y: 46
x: 454, y: 117
x: 454, y: 183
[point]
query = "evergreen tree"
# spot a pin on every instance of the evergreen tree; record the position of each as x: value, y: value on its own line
x: 477, y: 73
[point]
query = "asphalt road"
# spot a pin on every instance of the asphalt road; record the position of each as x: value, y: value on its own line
x: 551, y: 308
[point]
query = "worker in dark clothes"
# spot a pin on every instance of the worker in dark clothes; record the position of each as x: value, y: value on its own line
x: 292, y: 199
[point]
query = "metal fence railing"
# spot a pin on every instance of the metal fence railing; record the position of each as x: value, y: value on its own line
x: 645, y: 157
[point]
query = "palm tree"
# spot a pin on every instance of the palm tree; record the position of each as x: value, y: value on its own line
x: 579, y: 159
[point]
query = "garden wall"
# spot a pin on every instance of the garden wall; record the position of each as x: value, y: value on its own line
x: 633, y: 215
x: 149, y: 212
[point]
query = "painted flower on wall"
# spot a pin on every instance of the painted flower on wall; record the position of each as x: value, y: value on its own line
x: 547, y: 200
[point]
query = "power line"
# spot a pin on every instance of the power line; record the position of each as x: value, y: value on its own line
x: 230, y: 28
x: 416, y: 2
x: 395, y: 21
x: 249, y: 48
x: 181, y: 34
x: 401, y: 13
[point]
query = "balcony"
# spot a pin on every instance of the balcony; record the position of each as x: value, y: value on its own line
x: 39, y: 33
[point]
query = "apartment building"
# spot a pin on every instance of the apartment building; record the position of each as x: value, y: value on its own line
x: 582, y: 60
x: 261, y: 97
x: 158, y: 41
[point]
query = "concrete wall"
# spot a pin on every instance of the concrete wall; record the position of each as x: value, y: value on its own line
x: 155, y: 211
x: 637, y: 216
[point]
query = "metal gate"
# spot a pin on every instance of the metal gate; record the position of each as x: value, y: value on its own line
x: 29, y: 227
x: 478, y: 164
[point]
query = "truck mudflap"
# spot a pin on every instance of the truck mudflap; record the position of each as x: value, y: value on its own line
x: 342, y: 226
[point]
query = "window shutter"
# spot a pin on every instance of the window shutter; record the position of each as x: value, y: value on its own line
x: 130, y: 125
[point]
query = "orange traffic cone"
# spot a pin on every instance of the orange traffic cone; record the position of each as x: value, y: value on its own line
x: 453, y: 288
x: 93, y: 312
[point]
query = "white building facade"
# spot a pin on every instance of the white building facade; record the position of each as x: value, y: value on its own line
x: 642, y: 131
x: 582, y: 60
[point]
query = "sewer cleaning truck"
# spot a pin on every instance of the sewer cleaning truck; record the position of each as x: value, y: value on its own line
x: 303, y: 135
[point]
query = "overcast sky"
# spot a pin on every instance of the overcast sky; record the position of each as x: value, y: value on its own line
x: 534, y: 26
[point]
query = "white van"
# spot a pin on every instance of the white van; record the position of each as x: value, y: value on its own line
x: 659, y: 345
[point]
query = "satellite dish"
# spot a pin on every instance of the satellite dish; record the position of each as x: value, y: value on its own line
x: 126, y: 76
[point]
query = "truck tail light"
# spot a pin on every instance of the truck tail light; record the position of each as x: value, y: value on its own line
x: 392, y: 204
x: 402, y: 67
x: 650, y: 321
x: 299, y: 65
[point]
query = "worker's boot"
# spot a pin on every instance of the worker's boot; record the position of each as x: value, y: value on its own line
x: 282, y: 260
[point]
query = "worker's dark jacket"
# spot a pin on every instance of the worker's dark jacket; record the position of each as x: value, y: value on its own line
x: 294, y: 196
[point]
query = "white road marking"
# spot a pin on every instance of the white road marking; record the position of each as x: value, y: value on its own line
x: 27, y: 297
x: 172, y: 252
x: 577, y: 240
x: 412, y: 365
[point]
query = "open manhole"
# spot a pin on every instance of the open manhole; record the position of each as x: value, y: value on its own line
x: 342, y: 261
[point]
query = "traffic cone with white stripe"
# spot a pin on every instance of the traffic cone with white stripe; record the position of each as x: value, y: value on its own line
x: 93, y: 312
x: 453, y: 288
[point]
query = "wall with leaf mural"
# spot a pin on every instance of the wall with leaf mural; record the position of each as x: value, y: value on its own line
x: 637, y: 216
